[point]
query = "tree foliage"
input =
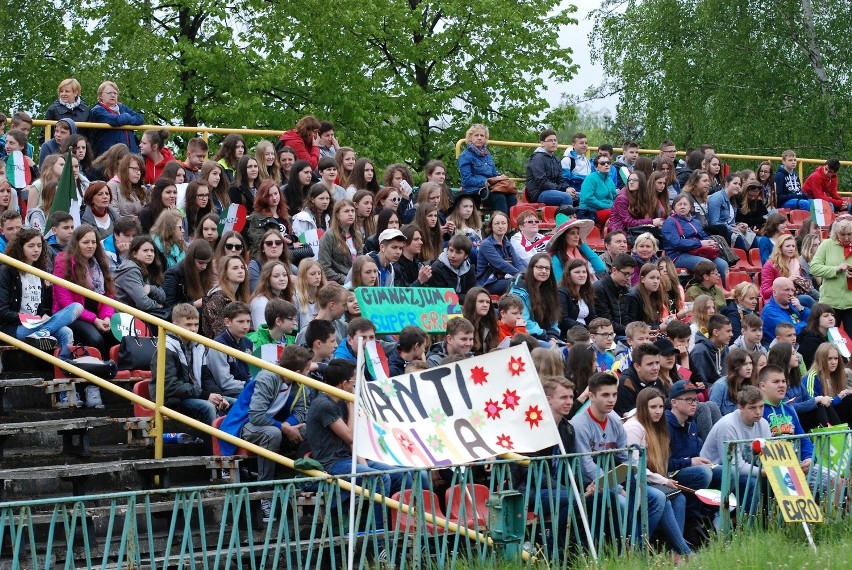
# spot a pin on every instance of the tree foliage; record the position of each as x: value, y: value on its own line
x: 751, y: 76
x: 402, y: 79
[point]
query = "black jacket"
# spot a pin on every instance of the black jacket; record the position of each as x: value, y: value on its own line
x: 628, y: 387
x: 544, y: 172
x: 10, y: 299
x: 635, y: 308
x: 808, y: 344
x: 611, y: 303
x: 406, y: 272
x: 174, y: 285
x: 460, y: 280
x: 569, y: 309
x: 242, y: 195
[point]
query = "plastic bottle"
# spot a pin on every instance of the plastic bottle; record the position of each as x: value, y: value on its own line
x: 175, y: 438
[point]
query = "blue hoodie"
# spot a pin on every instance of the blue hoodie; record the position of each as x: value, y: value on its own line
x: 51, y: 146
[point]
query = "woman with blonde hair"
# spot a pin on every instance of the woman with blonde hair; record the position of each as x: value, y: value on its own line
x: 746, y: 296
x: 827, y: 377
x: 168, y: 237
x: 703, y: 308
x: 68, y: 105
x: 309, y: 279
x: 784, y: 262
x: 670, y: 283
x: 268, y: 168
x: 547, y: 362
x: 832, y: 263
x: 476, y: 166
x: 275, y: 282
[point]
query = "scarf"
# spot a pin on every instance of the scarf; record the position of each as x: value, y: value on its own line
x: 99, y: 212
x: 114, y: 110
x: 71, y: 106
x: 847, y: 251
x: 477, y: 151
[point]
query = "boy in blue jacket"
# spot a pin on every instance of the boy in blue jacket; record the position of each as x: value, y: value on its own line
x: 225, y: 374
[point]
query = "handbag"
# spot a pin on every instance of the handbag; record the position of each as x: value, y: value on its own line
x: 710, y: 253
x: 634, y: 232
x: 136, y: 352
x: 81, y: 358
x: 725, y: 251
x: 502, y: 185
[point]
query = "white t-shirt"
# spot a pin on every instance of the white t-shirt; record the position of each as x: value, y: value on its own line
x: 30, y: 294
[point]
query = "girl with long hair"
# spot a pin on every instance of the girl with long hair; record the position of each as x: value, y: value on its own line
x: 271, y: 247
x: 713, y: 166
x: 697, y: 187
x: 827, y: 378
x: 105, y: 166
x: 191, y: 279
x: 339, y: 246
x: 436, y: 171
x: 275, y: 282
x: 784, y: 262
x: 581, y: 365
x: 815, y: 333
x: 657, y: 185
x: 267, y: 164
x: 197, y: 206
x: 741, y: 372
x: 537, y: 289
x: 233, y: 286
x: 576, y: 297
x: 315, y: 216
x: 385, y: 220
x: 163, y: 197
x: 128, y: 193
x: 547, y: 362
x: 431, y: 193
x: 245, y: 183
x: 270, y: 209
x: 365, y: 273
x: 298, y: 186
x: 766, y: 177
x: 811, y: 410
x: 208, y: 229
x: 752, y: 210
x: 647, y: 301
x: 807, y: 249
x: 139, y: 278
x: 309, y: 279
x: 426, y: 220
x: 703, y: 308
x: 648, y: 429
x: 22, y: 292
x: 175, y: 171
x: 345, y: 159
x: 365, y: 224
x: 84, y: 263
x: 496, y: 264
x: 391, y: 198
x: 635, y: 205
x: 666, y: 167
x: 478, y: 310
x: 670, y: 284
x: 286, y: 158
x: 231, y: 243
x: 466, y: 220
x: 214, y: 175
x: 230, y: 152
x: 167, y: 234
x: 774, y: 228
x: 80, y: 148
x: 363, y: 177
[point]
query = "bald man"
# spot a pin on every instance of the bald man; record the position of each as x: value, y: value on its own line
x: 783, y: 307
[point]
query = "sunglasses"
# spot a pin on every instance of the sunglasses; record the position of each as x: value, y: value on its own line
x: 603, y: 162
x: 234, y: 246
x: 274, y: 243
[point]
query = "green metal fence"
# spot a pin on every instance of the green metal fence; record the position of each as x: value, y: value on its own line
x: 221, y: 526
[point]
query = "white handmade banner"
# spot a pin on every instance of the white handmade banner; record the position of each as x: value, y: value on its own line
x: 459, y: 413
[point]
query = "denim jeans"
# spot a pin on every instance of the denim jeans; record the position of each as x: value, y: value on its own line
x: 806, y: 300
x: 57, y: 327
x: 660, y: 513
x: 797, y: 204
x: 501, y: 202
x: 555, y: 198
x: 689, y: 261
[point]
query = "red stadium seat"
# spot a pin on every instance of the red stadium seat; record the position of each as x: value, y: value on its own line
x: 517, y: 209
x: 548, y: 218
x: 142, y: 389
x: 216, y: 449
x: 754, y: 257
x: 797, y: 217
x: 744, y: 263
x: 408, y: 522
x: 737, y: 277
x: 475, y: 510
x: 594, y: 240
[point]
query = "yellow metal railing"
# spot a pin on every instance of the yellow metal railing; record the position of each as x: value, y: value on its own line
x: 800, y: 162
x: 205, y: 132
x: 160, y: 410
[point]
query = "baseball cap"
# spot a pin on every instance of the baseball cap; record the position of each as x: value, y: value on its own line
x: 682, y: 387
x: 666, y: 347
x: 390, y: 234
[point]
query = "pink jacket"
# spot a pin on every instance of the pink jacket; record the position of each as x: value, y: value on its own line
x: 767, y: 275
x: 62, y: 297
x: 620, y: 218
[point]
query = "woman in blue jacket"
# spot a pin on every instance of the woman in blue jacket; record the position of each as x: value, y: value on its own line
x: 496, y: 264
x: 476, y: 166
x: 110, y: 111
x: 683, y: 234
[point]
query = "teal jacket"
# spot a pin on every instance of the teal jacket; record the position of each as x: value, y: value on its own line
x: 597, y: 192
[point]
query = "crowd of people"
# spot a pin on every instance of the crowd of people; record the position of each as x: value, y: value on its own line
x: 690, y: 366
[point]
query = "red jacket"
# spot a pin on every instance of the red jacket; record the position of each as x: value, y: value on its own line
x: 304, y: 151
x: 820, y: 187
x: 504, y: 331
x: 153, y: 171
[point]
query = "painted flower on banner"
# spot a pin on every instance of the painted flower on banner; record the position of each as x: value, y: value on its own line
x: 505, y: 441
x: 388, y: 388
x: 435, y: 443
x: 438, y: 416
x: 516, y: 365
x: 478, y: 375
x: 405, y: 442
x: 533, y: 416
x: 511, y: 399
x: 477, y: 420
x: 493, y: 409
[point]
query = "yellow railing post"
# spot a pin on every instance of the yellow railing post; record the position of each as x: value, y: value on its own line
x: 160, y: 395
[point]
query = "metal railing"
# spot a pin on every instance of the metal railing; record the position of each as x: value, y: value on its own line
x: 205, y: 132
x: 308, y: 528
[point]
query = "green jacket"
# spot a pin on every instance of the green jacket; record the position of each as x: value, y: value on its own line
x: 261, y: 337
x: 834, y: 291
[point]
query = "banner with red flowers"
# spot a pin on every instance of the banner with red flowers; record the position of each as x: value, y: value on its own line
x: 463, y: 412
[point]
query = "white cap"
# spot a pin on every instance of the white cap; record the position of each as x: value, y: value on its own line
x: 389, y: 234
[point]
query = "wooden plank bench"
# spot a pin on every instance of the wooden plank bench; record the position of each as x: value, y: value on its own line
x: 78, y: 474
x: 74, y: 431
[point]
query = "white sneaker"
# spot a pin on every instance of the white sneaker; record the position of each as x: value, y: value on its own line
x: 78, y: 402
x: 42, y: 340
x: 93, y: 397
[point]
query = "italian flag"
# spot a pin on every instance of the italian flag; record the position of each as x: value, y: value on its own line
x: 377, y: 361
x: 821, y: 213
x: 269, y: 352
x: 312, y: 238
x: 17, y: 171
x: 839, y: 339
x: 787, y: 480
x: 233, y: 220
